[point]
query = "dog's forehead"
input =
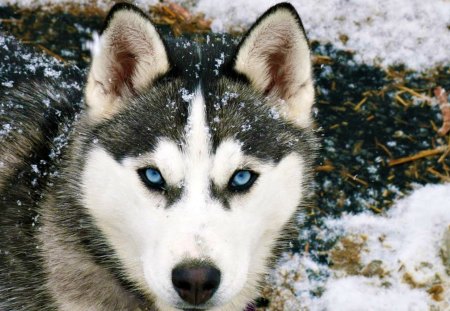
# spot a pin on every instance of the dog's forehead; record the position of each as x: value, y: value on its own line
x: 232, y: 108
x: 236, y: 111
x: 233, y: 113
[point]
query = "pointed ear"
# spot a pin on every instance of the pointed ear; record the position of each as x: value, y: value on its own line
x: 129, y: 56
x: 275, y: 57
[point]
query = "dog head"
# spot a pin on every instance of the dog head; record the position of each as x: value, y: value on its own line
x: 196, y: 156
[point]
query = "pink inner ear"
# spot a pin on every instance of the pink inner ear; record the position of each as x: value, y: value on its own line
x: 123, y: 65
x: 123, y: 72
x: 280, y: 73
x: 122, y: 69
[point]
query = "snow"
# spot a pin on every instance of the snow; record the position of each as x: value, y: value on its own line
x: 381, y: 32
x: 95, y: 45
x: 8, y: 83
x: 355, y: 293
x: 411, y: 232
x: 406, y: 246
x: 186, y: 96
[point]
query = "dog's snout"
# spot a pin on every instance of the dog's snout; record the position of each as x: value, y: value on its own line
x: 195, y: 284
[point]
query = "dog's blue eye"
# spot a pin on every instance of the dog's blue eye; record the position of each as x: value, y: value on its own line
x: 242, y: 180
x: 153, y: 178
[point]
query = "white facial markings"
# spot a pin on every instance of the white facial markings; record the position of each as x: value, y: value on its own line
x: 227, y: 159
x: 169, y: 160
x: 111, y: 194
x: 197, y: 149
x: 150, y: 241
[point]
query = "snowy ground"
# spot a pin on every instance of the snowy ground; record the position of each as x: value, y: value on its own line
x: 386, y: 32
x: 397, y: 261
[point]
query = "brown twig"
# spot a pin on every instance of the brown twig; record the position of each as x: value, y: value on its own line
x: 10, y: 21
x: 441, y: 96
x: 321, y: 59
x: 412, y: 92
x: 439, y: 175
x: 51, y: 53
x: 420, y: 155
x: 374, y: 208
x: 401, y: 100
x: 361, y: 102
x: 384, y: 148
x: 355, y: 178
x: 325, y: 168
x: 444, y: 155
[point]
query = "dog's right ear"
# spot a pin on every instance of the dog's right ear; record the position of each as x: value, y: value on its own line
x: 129, y: 56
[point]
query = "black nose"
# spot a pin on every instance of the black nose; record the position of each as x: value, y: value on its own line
x: 195, y: 284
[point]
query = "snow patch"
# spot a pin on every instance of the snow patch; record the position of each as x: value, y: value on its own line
x: 382, y: 32
x: 356, y: 293
x: 385, y: 32
x: 400, y: 264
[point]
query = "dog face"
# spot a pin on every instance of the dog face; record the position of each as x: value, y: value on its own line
x: 192, y: 173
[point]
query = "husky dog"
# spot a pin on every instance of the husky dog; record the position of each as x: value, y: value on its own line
x: 176, y: 186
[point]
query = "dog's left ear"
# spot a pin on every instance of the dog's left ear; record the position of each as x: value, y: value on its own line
x: 128, y: 58
x: 275, y: 58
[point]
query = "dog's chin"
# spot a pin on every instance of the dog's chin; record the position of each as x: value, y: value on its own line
x: 184, y: 306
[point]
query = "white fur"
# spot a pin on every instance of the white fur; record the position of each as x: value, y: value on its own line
x: 151, y: 239
x: 143, y: 41
x: 197, y: 152
x: 228, y: 152
x: 252, y: 60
